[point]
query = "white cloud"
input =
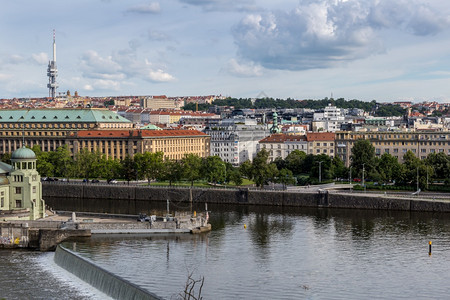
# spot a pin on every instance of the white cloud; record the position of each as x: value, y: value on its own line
x: 160, y: 76
x: 243, y: 69
x: 151, y: 8
x: 4, y: 77
x: 223, y: 5
x: 40, y: 58
x: 326, y: 33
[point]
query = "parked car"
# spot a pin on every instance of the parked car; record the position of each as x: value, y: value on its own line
x: 112, y: 181
x: 85, y: 180
x: 95, y: 181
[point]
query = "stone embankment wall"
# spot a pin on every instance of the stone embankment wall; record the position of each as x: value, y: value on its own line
x: 133, y: 198
x: 16, y: 235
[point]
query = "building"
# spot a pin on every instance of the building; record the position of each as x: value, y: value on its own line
x: 21, y: 188
x: 159, y: 102
x: 329, y: 120
x: 280, y: 145
x: 396, y: 143
x: 235, y: 140
x: 118, y: 143
x: 52, y: 128
x: 321, y: 143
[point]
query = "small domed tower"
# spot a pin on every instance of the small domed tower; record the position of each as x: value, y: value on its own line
x: 25, y: 184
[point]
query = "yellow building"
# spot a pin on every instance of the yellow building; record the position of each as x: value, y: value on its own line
x: 396, y: 143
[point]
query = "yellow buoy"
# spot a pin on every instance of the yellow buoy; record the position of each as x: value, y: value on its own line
x: 245, y: 226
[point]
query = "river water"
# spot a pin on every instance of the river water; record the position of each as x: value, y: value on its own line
x: 262, y: 253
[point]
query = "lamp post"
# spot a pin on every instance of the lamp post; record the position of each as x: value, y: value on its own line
x: 350, y: 175
x: 364, y: 185
x: 417, y: 179
x: 320, y: 171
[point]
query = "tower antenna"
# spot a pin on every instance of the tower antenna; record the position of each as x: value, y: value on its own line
x: 52, y: 72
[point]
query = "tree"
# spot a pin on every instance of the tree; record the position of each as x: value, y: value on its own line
x: 338, y: 168
x: 43, y: 164
x: 440, y: 162
x: 129, y: 168
x: 262, y: 171
x: 294, y: 161
x: 235, y: 176
x: 390, y: 169
x: 415, y: 170
x: 321, y: 166
x: 286, y: 177
x: 149, y: 164
x: 363, y: 155
x: 214, y: 169
x: 172, y: 171
x: 192, y: 165
x: 62, y: 161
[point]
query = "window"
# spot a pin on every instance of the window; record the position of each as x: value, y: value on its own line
x: 18, y: 203
x: 34, y: 190
x: 2, y: 201
x: 18, y: 190
x: 423, y: 150
x: 395, y: 150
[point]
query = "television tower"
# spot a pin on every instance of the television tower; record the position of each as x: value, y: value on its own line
x: 52, y: 72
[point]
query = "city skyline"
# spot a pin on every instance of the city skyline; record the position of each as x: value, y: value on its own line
x: 382, y: 50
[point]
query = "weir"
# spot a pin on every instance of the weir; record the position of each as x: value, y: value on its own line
x: 103, y: 280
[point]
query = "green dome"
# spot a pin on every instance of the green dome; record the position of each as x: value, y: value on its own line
x: 23, y: 153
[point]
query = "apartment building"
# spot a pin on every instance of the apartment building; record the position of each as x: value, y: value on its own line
x: 396, y: 143
x: 279, y: 145
x: 235, y: 140
x: 321, y: 143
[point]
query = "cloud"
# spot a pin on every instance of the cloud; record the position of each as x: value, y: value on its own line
x: 160, y: 76
x: 40, y: 58
x: 159, y: 36
x: 223, y: 5
x: 326, y: 33
x: 4, y: 77
x: 151, y: 8
x: 116, y: 69
x: 243, y: 69
x: 12, y: 59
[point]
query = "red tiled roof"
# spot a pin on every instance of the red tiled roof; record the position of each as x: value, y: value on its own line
x: 320, y: 136
x: 281, y: 138
x: 144, y: 133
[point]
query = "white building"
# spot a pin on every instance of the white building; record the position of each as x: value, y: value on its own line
x: 329, y: 120
x: 235, y: 140
x: 280, y: 145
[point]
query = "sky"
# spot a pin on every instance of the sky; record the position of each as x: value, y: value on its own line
x: 384, y: 50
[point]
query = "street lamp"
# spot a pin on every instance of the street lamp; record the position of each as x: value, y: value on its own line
x: 350, y: 175
x: 363, y: 178
x: 320, y: 171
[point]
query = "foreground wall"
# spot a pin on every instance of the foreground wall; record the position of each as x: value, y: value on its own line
x: 126, y: 199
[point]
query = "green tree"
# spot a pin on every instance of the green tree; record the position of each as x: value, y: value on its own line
x: 286, y: 177
x: 235, y: 176
x: 295, y: 161
x: 149, y: 164
x: 415, y: 170
x: 172, y: 171
x: 338, y: 168
x: 62, y: 161
x: 390, y: 169
x: 129, y: 168
x: 43, y: 164
x: 6, y: 158
x: 440, y: 162
x: 262, y: 171
x: 363, y: 155
x: 321, y: 166
x: 214, y: 169
x: 192, y: 167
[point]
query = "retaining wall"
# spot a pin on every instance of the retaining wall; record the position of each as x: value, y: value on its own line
x: 110, y: 198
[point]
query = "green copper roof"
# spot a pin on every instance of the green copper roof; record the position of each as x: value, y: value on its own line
x: 23, y: 153
x: 60, y: 115
x: 5, y: 168
x: 151, y: 127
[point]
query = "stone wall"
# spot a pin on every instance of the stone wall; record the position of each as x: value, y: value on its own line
x: 138, y: 198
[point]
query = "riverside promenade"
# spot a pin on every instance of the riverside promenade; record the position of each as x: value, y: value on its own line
x: 132, y: 198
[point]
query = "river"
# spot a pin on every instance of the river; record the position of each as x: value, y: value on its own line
x: 263, y: 252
